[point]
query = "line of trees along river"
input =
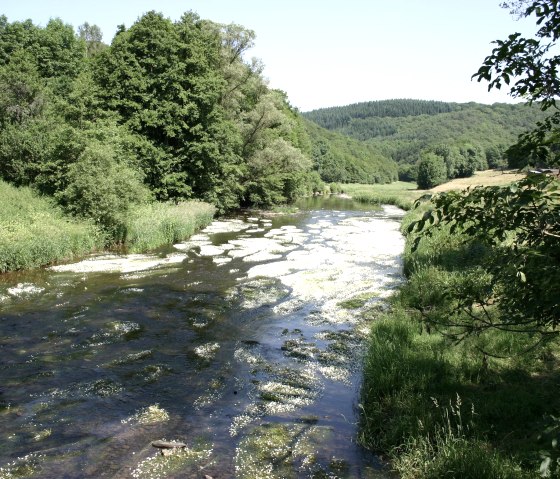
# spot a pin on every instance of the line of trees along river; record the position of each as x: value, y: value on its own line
x: 169, y: 111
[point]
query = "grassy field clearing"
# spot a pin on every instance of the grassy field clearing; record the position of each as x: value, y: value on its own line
x: 403, y: 194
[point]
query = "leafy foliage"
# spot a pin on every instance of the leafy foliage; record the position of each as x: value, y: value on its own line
x: 103, y: 189
x: 172, y: 106
x: 403, y: 136
x: 431, y: 171
x: 337, y: 117
x: 521, y: 224
x: 433, y: 393
x: 530, y: 67
x: 338, y: 158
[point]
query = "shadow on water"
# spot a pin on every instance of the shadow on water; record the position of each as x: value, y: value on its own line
x: 243, y: 347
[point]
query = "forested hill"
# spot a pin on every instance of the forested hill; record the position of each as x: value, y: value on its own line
x: 402, y: 129
x: 339, y: 117
x: 339, y: 158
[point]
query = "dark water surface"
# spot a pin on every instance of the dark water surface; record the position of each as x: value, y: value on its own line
x: 243, y: 342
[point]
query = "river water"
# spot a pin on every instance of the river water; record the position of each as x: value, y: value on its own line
x: 243, y: 342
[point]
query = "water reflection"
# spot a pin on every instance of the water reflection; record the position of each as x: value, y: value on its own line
x: 243, y: 342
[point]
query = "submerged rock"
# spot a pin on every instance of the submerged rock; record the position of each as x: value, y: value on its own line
x: 168, y: 447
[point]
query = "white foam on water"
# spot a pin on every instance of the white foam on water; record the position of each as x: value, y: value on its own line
x: 120, y: 264
x: 252, y: 246
x: 346, y: 262
x: 391, y: 210
x: 212, y: 250
x: 262, y: 256
x: 25, y: 289
x: 194, y: 241
x: 221, y: 260
x: 226, y: 226
x: 132, y: 290
x: 207, y: 351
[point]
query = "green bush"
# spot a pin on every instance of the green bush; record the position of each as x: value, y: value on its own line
x: 408, y: 172
x: 431, y: 171
x: 335, y: 188
x: 419, y: 355
x: 103, y: 189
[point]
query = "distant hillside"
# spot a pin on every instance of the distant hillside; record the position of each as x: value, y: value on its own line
x: 401, y: 129
x: 339, y: 158
x: 341, y: 116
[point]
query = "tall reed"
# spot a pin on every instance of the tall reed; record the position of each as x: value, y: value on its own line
x: 156, y: 224
x: 34, y: 232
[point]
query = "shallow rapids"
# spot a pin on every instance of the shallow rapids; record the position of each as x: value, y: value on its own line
x: 243, y: 342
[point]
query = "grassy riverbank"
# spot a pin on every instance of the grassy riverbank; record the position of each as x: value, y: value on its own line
x: 34, y: 232
x: 404, y: 194
x: 480, y: 408
x: 399, y: 193
x: 157, y: 224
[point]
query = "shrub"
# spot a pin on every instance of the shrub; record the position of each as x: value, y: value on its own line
x: 408, y: 172
x: 102, y: 189
x: 431, y: 171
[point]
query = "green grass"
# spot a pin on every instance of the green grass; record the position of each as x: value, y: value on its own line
x: 399, y: 193
x: 157, y: 224
x: 404, y: 194
x: 442, y: 409
x: 34, y: 232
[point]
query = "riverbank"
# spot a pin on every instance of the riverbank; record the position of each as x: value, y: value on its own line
x: 34, y: 232
x: 480, y: 407
x: 403, y: 194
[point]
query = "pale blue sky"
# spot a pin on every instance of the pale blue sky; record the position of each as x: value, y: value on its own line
x: 333, y: 52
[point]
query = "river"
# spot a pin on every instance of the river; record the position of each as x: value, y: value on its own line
x: 243, y: 342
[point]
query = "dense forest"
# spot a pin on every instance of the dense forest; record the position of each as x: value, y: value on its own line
x: 169, y: 111
x: 336, y: 118
x: 340, y: 158
x: 463, y: 136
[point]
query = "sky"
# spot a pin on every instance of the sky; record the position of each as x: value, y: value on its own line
x: 326, y: 53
